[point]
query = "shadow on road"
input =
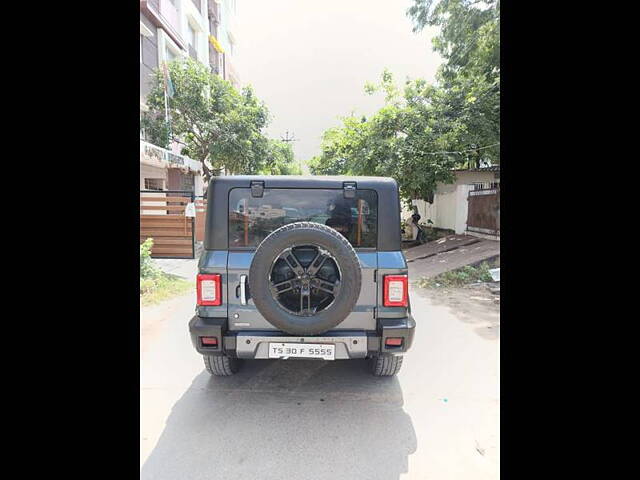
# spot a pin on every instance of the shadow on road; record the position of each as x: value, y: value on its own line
x: 286, y: 419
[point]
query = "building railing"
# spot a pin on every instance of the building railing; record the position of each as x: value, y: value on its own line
x: 485, y: 185
x: 154, y: 155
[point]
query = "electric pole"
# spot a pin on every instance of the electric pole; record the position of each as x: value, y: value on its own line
x: 288, y: 139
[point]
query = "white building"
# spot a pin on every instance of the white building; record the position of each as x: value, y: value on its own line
x: 223, y: 38
x: 449, y: 209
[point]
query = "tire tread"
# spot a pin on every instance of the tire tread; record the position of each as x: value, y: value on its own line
x: 386, y: 364
x: 220, y: 365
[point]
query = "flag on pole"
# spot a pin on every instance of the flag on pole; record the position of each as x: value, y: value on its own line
x: 168, y: 84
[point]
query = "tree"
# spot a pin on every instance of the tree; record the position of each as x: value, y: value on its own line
x: 213, y: 122
x: 425, y: 131
x: 469, y: 42
x: 399, y: 141
x: 280, y: 160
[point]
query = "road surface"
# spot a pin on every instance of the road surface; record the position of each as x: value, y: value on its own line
x: 438, y: 419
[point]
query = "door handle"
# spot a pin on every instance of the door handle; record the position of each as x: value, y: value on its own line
x: 243, y: 289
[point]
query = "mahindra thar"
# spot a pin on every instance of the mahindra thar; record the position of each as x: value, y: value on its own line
x: 302, y: 267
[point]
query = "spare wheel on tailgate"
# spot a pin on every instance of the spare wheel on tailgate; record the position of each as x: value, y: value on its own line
x: 305, y: 278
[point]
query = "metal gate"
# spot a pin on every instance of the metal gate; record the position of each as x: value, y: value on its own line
x: 162, y: 217
x: 483, y: 214
x: 201, y: 210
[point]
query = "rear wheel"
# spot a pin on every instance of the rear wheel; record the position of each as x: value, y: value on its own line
x: 385, y: 364
x: 221, y: 365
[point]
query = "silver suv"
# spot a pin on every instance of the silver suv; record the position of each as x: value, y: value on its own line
x: 302, y: 267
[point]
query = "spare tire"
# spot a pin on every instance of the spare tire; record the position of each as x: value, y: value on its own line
x: 305, y: 278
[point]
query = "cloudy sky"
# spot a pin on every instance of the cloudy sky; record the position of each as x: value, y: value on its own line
x: 309, y: 60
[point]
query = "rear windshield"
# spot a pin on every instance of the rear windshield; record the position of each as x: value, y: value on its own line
x: 252, y: 219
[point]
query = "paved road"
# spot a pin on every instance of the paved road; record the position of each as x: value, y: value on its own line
x: 438, y: 419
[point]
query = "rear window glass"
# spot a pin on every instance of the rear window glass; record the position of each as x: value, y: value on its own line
x: 252, y: 219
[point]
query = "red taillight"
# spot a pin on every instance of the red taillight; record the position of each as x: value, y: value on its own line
x: 209, y: 341
x: 395, y: 290
x: 209, y: 289
x: 393, y: 342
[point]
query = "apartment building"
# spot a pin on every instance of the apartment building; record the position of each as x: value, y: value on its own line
x: 204, y: 30
x: 170, y: 29
x: 223, y: 39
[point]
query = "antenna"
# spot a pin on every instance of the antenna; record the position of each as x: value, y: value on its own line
x: 286, y: 138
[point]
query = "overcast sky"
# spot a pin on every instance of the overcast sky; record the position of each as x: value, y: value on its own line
x: 309, y: 60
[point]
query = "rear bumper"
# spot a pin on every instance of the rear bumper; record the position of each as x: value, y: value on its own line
x: 255, y: 344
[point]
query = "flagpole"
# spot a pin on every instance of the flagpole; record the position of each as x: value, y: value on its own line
x: 166, y: 101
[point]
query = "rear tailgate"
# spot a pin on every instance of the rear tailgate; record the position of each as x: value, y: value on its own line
x: 247, y: 316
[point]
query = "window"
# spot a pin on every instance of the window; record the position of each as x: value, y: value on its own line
x: 141, y: 38
x: 252, y: 219
x: 170, y: 55
x: 230, y: 45
x: 154, y: 183
x: 192, y: 35
x: 187, y: 182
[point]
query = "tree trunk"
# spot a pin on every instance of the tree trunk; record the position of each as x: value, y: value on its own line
x: 206, y: 173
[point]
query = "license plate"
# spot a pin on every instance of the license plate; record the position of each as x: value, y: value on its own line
x: 302, y: 350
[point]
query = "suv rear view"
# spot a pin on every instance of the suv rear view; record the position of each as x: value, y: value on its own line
x: 302, y: 267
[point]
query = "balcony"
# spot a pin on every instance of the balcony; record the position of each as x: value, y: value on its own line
x: 163, y: 14
x: 155, y: 156
x: 170, y: 12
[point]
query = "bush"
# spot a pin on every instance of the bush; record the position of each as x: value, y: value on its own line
x: 147, y: 285
x: 155, y: 285
x: 163, y: 287
x: 457, y: 278
x: 147, y: 267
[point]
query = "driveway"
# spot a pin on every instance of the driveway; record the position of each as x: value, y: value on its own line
x: 324, y: 420
x: 449, y: 253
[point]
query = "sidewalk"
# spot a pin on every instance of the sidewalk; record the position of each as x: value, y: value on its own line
x: 434, y: 258
x: 444, y: 244
x: 186, y: 268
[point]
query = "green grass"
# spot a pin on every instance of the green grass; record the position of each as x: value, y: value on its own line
x: 459, y: 277
x: 154, y: 290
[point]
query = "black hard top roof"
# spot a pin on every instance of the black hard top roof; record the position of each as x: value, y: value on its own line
x: 305, y: 181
